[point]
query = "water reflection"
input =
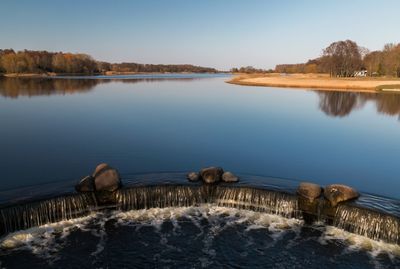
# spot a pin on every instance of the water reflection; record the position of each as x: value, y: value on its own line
x: 335, y: 104
x: 16, y: 87
x: 341, y: 104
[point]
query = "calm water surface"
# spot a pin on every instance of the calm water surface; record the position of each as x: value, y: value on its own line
x: 55, y: 130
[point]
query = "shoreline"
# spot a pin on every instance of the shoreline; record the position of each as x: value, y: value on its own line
x: 50, y: 75
x: 318, y: 82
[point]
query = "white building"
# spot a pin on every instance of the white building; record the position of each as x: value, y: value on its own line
x: 362, y: 73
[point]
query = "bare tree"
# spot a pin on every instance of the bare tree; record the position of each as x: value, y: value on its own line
x: 343, y: 58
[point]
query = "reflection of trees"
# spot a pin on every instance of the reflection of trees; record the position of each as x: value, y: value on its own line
x: 14, y: 87
x: 340, y: 104
x: 388, y: 103
x: 337, y: 104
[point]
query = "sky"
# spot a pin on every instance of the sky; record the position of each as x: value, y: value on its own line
x: 214, y: 33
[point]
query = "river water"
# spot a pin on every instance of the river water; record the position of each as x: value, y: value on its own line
x: 154, y: 129
x: 57, y: 130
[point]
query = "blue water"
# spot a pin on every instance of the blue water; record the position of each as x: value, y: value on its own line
x: 59, y: 129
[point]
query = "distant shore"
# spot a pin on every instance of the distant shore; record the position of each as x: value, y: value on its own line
x: 110, y: 73
x: 318, y: 82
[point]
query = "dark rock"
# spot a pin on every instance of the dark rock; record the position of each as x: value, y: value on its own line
x: 211, y: 174
x: 193, y: 176
x: 310, y: 191
x: 86, y: 184
x: 105, y: 197
x: 99, y: 168
x: 229, y: 177
x: 106, y: 178
x: 337, y: 193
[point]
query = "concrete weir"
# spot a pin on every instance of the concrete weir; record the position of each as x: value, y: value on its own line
x: 356, y: 219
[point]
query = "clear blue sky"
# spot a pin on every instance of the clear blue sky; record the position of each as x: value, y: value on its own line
x: 214, y: 33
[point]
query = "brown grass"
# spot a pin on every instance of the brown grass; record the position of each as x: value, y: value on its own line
x: 317, y: 82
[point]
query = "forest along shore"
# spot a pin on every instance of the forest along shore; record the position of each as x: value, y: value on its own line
x: 321, y: 82
x: 50, y: 75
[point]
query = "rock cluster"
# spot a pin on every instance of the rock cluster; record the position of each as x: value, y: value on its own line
x: 334, y: 193
x: 212, y: 175
x: 105, y: 178
x: 312, y: 206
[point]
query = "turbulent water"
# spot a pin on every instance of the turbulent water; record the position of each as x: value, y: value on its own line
x: 192, y: 237
x: 193, y: 226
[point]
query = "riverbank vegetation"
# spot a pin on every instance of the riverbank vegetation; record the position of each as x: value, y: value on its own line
x: 31, y: 62
x: 250, y: 70
x: 346, y: 58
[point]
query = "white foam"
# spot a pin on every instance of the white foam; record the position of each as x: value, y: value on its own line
x: 41, y: 240
x: 356, y: 242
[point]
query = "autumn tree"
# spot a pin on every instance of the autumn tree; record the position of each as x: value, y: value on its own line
x: 385, y: 62
x: 28, y: 61
x: 391, y: 60
x: 343, y: 58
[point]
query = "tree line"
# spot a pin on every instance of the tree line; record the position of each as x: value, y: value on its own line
x: 39, y: 62
x: 249, y: 70
x: 345, y: 58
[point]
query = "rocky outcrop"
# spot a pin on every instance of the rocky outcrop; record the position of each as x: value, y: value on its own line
x: 309, y: 191
x: 211, y: 174
x: 229, y: 177
x: 337, y: 193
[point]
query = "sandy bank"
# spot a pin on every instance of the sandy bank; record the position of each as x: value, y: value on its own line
x: 318, y: 82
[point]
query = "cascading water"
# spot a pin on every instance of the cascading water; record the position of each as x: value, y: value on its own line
x: 271, y: 202
x: 358, y: 220
x: 220, y: 224
x: 368, y: 223
x: 159, y: 196
x: 237, y: 197
x: 38, y: 213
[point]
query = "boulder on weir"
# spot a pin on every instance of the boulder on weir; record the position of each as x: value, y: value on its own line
x: 309, y: 191
x: 193, y: 176
x: 337, y: 193
x: 86, y: 184
x: 229, y: 177
x: 106, y: 178
x: 211, y: 175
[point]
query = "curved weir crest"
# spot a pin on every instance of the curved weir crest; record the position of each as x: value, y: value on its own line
x: 368, y: 223
x: 352, y: 218
x: 37, y: 213
x: 260, y: 200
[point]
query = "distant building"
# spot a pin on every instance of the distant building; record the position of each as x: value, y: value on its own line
x: 362, y: 73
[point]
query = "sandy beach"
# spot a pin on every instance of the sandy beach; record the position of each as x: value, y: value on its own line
x: 318, y: 82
